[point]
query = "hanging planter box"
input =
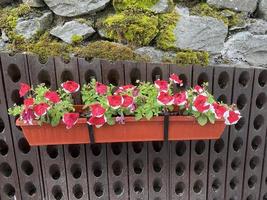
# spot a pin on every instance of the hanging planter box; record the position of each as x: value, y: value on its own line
x: 180, y: 128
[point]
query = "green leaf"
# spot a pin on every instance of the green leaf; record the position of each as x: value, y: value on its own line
x: 149, y: 114
x: 202, y: 120
x: 211, y: 118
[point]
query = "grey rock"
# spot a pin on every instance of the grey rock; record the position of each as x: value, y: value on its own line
x: 154, y: 54
x: 162, y: 6
x: 246, y: 47
x: 182, y: 10
x: 34, y: 3
x: 3, y: 2
x: 263, y: 9
x: 257, y: 26
x: 3, y: 45
x: 29, y: 27
x: 238, y: 5
x: 66, y: 31
x: 70, y: 8
x: 200, y: 33
x: 4, y: 36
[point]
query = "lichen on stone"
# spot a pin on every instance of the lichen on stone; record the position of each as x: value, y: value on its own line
x: 166, y: 37
x: 121, y: 5
x: 229, y: 17
x: 136, y: 27
x: 192, y: 57
x: 108, y: 50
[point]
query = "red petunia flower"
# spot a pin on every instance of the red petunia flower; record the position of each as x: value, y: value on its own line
x: 24, y: 89
x: 180, y: 99
x: 165, y: 99
x: 101, y: 89
x: 218, y: 110
x: 52, y: 96
x: 200, y: 104
x: 97, y: 121
x: 27, y: 116
x: 115, y: 101
x: 198, y: 89
x: 40, y: 109
x: 162, y: 85
x: 70, y: 86
x: 70, y: 119
x: 127, y: 101
x: 175, y: 78
x: 124, y: 88
x: 28, y: 103
x: 97, y: 110
x: 231, y: 117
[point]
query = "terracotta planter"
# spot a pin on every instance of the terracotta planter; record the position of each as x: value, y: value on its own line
x: 180, y: 128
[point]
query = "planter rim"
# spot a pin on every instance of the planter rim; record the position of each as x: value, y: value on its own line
x: 127, y: 119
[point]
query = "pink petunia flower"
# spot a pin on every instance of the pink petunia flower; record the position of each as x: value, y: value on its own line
x: 180, y: 99
x: 97, y: 110
x: 124, y: 88
x: 52, y: 96
x: 70, y: 86
x: 175, y: 78
x: 200, y: 104
x: 127, y: 101
x: 165, y: 99
x: 101, y: 89
x: 218, y: 110
x: 40, y: 109
x: 162, y: 85
x: 198, y: 89
x: 231, y: 117
x: 115, y: 101
x: 70, y: 119
x: 28, y: 103
x: 97, y: 121
x: 27, y: 116
x: 24, y: 89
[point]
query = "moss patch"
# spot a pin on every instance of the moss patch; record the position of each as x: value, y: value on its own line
x: 230, y: 18
x: 192, y: 57
x: 136, y: 27
x: 76, y: 39
x: 108, y: 50
x: 121, y: 5
x: 166, y: 37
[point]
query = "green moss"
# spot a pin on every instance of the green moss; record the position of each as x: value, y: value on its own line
x: 136, y: 27
x: 192, y: 57
x: 76, y: 39
x: 121, y: 5
x: 166, y: 37
x: 44, y: 47
x: 108, y: 50
x: 230, y: 18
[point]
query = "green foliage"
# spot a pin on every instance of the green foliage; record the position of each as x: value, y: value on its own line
x: 76, y: 39
x: 192, y: 57
x: 136, y: 27
x: 107, y: 50
x: 121, y: 5
x: 166, y: 37
x: 230, y: 18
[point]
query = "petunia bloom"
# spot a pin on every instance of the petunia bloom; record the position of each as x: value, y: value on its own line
x: 101, y: 89
x: 180, y: 99
x: 124, y: 88
x: 200, y: 104
x: 198, y: 89
x: 97, y: 110
x: 115, y: 101
x: 24, y: 89
x: 70, y: 86
x: 231, y: 117
x: 161, y: 85
x: 52, y: 96
x: 70, y: 119
x: 127, y: 101
x: 164, y: 99
x: 28, y: 103
x: 218, y: 110
x: 97, y: 121
x: 27, y: 116
x: 40, y: 109
x: 175, y: 78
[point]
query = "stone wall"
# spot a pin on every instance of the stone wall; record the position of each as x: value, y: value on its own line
x: 183, y: 31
